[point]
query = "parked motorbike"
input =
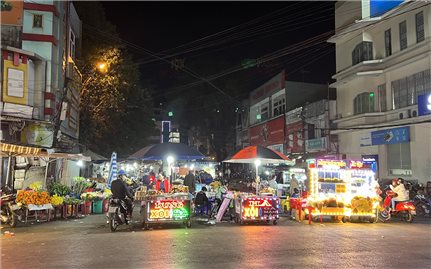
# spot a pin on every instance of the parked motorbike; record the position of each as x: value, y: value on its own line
x: 406, y: 209
x: 10, y: 212
x: 117, y: 213
x: 422, y: 204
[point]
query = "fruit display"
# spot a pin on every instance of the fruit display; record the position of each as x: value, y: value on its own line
x: 57, y: 200
x: 361, y: 204
x: 154, y: 192
x: 33, y: 197
x: 267, y: 190
x: 179, y: 189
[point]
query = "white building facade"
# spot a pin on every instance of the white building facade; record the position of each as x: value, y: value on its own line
x: 383, y: 64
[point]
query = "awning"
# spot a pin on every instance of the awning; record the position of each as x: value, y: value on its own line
x: 26, y: 151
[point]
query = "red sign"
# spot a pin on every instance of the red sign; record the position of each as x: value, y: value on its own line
x: 268, y: 133
x: 260, y: 208
x: 273, y: 85
x: 294, y: 136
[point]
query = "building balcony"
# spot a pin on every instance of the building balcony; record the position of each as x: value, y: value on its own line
x: 377, y: 67
x: 400, y: 116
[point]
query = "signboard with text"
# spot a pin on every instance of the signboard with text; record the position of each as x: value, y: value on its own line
x: 390, y: 136
x: 259, y: 208
x: 317, y: 144
x: 168, y: 210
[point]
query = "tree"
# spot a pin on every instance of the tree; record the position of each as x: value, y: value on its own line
x: 115, y: 107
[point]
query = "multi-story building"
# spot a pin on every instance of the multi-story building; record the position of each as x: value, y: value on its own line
x: 383, y: 62
x: 40, y: 82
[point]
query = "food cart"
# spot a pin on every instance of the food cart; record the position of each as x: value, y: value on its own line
x: 342, y: 189
x: 161, y: 208
x: 256, y: 208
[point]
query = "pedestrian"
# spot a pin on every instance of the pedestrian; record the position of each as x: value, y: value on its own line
x: 293, y: 184
x: 189, y: 181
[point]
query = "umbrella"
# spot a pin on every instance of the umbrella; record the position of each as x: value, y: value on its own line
x: 257, y: 155
x: 253, y: 153
x: 161, y: 151
x: 112, y: 169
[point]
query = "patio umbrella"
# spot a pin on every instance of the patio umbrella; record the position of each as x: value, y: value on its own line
x: 253, y: 153
x: 112, y: 169
x: 161, y: 151
x: 257, y: 155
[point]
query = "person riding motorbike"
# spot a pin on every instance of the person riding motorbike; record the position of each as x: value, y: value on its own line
x: 398, y: 187
x: 121, y: 191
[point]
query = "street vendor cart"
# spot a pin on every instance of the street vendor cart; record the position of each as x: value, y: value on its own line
x: 342, y: 189
x: 161, y: 208
x: 256, y: 208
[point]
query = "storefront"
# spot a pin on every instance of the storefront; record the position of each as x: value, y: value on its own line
x: 269, y: 134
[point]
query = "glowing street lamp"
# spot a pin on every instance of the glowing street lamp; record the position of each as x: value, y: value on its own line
x: 170, y: 160
x: 80, y: 163
x: 102, y: 67
x: 257, y: 163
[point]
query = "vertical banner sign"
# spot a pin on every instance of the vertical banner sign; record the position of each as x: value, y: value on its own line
x: 112, y: 169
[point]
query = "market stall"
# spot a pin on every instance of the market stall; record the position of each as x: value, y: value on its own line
x: 256, y: 208
x: 160, y: 208
x: 343, y: 189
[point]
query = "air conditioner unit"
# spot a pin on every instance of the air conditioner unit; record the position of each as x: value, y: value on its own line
x: 403, y: 115
x: 413, y: 113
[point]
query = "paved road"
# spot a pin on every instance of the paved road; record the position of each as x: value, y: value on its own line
x: 88, y: 243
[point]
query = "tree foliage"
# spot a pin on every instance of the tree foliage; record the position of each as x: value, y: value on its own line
x: 116, y: 107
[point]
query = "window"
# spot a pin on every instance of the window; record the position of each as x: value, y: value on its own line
x: 279, y: 106
x: 264, y: 112
x: 381, y: 91
x: 420, y: 32
x: 72, y: 40
x: 399, y: 156
x: 388, y: 43
x: 362, y: 52
x: 405, y: 91
x: 37, y: 20
x: 403, y: 35
x: 363, y: 103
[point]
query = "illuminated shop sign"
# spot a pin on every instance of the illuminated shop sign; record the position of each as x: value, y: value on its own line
x: 356, y: 164
x: 260, y: 208
x: 424, y: 104
x: 169, y: 209
x: 334, y: 163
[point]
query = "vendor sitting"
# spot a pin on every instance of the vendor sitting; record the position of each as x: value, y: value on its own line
x: 201, y: 201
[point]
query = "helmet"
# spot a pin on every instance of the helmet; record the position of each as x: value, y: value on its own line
x: 121, y: 172
x: 395, y: 181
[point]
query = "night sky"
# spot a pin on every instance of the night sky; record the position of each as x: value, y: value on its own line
x: 158, y: 26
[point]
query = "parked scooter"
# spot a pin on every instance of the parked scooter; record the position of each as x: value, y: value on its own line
x: 10, y: 212
x: 117, y: 213
x: 422, y: 204
x: 406, y: 209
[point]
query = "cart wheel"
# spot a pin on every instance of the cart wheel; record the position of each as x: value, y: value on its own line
x: 188, y: 223
x: 275, y: 222
x: 241, y: 222
x: 344, y: 219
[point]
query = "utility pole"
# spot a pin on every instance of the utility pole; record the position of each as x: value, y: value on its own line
x: 63, y: 96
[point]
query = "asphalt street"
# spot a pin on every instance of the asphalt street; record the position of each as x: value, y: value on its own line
x: 88, y: 243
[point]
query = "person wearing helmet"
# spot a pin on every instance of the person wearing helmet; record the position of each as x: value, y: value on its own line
x: 121, y: 191
x: 398, y: 187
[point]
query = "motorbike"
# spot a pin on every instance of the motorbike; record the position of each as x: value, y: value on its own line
x: 117, y: 213
x: 406, y: 209
x: 422, y: 204
x: 10, y: 212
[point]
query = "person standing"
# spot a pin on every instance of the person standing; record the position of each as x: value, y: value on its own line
x: 294, y: 184
x: 189, y: 181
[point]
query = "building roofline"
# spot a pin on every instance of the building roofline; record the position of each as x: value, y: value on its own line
x: 25, y: 52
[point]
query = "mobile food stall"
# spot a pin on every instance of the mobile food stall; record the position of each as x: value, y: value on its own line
x: 256, y: 208
x: 160, y: 208
x: 342, y: 189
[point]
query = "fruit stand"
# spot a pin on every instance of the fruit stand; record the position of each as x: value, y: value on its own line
x: 161, y: 208
x: 256, y: 208
x: 342, y: 189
